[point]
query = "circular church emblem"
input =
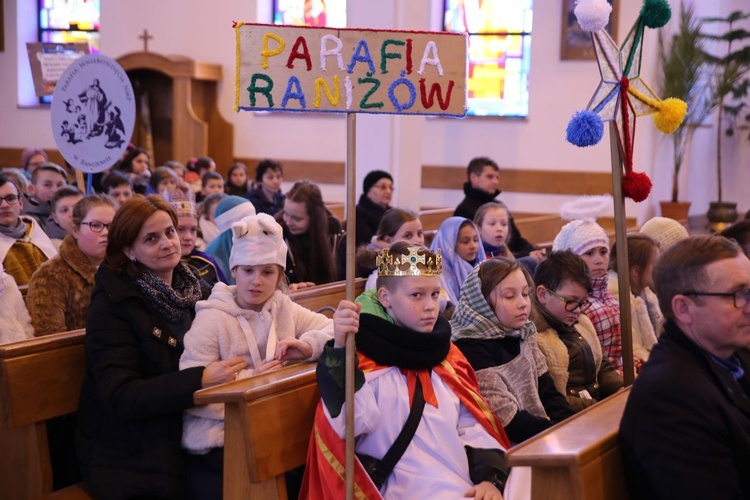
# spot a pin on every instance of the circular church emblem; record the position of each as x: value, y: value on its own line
x: 93, y: 112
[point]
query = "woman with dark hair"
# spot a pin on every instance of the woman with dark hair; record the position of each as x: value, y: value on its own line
x: 137, y: 164
x: 312, y: 234
x: 266, y: 195
x: 130, y: 411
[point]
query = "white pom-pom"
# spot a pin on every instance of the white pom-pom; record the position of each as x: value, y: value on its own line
x: 586, y: 207
x: 592, y: 15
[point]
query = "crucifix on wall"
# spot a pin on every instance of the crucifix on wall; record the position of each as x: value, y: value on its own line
x: 145, y: 37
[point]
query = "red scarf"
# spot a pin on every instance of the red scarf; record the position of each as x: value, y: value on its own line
x: 325, y: 475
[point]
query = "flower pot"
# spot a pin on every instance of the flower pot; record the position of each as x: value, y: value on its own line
x: 721, y: 214
x: 677, y: 210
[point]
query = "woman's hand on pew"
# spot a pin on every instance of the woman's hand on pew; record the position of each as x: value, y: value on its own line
x: 292, y: 348
x: 484, y: 491
x: 345, y: 322
x: 220, y: 372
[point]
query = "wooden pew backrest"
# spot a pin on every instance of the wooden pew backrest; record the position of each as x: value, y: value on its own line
x: 318, y: 297
x: 579, y: 458
x: 431, y: 219
x: 40, y: 379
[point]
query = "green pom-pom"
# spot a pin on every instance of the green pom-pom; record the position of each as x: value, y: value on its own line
x: 656, y: 13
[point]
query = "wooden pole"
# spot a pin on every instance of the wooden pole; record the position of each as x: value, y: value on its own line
x: 623, y: 269
x: 351, y: 228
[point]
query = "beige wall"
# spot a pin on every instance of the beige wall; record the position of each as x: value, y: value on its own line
x: 400, y: 144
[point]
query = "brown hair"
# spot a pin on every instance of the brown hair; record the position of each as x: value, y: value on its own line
x: 317, y: 265
x: 81, y: 209
x: 401, y: 248
x: 393, y: 219
x: 562, y: 266
x: 492, y: 272
x: 389, y: 225
x: 126, y: 225
x: 161, y: 173
x: 64, y: 192
x: 476, y: 166
x: 48, y: 167
x: 640, y: 249
x: 681, y: 268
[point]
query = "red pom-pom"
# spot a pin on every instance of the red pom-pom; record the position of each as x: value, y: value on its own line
x: 636, y: 186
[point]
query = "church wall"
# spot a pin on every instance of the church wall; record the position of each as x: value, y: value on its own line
x: 203, y: 31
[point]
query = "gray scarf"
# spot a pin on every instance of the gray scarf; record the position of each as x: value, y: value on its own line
x: 474, y: 318
x: 171, y: 301
x: 17, y: 232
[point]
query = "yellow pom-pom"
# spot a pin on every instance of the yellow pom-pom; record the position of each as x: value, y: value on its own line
x: 670, y: 115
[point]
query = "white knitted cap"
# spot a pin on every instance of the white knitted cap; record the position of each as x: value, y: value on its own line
x: 665, y: 231
x: 257, y: 240
x: 583, y: 233
x: 580, y: 236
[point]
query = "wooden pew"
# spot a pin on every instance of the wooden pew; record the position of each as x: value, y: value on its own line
x: 578, y: 459
x: 317, y: 298
x: 431, y: 219
x: 539, y: 228
x: 39, y: 379
x: 267, y: 425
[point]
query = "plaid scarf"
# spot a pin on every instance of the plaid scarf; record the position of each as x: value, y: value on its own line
x: 171, y: 302
x: 474, y: 318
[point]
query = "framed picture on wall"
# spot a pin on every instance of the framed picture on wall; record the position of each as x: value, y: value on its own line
x: 575, y: 43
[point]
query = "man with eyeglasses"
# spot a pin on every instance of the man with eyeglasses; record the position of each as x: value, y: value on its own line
x: 23, y: 244
x: 685, y: 432
x: 566, y: 335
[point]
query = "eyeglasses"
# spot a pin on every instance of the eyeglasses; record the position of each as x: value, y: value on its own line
x: 571, y: 305
x: 384, y: 187
x: 9, y: 199
x: 96, y: 226
x: 740, y: 298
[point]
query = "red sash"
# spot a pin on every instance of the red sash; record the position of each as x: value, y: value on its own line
x: 324, y: 474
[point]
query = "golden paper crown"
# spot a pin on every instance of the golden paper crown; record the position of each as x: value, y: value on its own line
x: 412, y: 264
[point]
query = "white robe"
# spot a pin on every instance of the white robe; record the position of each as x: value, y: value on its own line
x: 435, y: 464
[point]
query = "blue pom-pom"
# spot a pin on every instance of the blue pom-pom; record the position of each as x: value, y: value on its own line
x: 585, y: 129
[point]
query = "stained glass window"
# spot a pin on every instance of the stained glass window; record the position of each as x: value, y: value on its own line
x: 330, y: 13
x: 68, y: 21
x: 499, y: 53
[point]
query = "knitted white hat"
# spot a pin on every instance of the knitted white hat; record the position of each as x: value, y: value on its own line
x: 257, y: 240
x: 665, y: 231
x: 583, y: 233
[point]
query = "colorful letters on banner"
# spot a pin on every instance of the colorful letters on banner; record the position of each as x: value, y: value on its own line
x: 299, y: 68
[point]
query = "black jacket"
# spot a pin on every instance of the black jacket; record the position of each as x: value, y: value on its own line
x: 685, y: 432
x: 133, y: 396
x: 368, y: 219
x: 263, y: 205
x: 475, y: 198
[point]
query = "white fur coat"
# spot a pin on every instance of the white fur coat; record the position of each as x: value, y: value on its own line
x: 223, y: 330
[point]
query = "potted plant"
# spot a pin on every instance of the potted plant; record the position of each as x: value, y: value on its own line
x: 731, y: 88
x: 684, y: 76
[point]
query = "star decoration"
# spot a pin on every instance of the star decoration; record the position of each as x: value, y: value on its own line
x: 622, y: 95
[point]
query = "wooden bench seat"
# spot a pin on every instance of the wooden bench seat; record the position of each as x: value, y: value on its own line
x: 578, y: 459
